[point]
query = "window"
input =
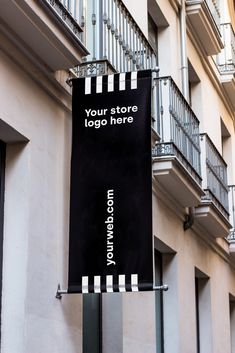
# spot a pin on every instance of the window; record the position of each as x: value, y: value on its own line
x: 152, y: 33
x: 197, y: 285
x: 203, y: 313
x: 159, y: 304
x: 225, y: 141
x: 194, y: 80
x: 2, y: 180
x: 232, y: 322
x: 228, y: 156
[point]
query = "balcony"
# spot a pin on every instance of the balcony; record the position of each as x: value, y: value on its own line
x: 204, y: 18
x: 44, y: 31
x: 69, y: 12
x: 213, y: 212
x: 231, y: 237
x: 176, y: 158
x: 226, y: 61
x: 115, y: 41
x: 116, y: 44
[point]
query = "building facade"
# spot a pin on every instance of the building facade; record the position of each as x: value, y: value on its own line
x: 190, y: 45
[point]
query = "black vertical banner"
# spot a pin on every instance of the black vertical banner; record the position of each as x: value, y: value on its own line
x: 110, y: 245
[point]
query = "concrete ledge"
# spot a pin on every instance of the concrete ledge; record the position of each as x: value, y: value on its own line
x: 177, y: 181
x: 210, y: 217
x: 9, y: 135
x: 49, y: 39
x: 204, y: 26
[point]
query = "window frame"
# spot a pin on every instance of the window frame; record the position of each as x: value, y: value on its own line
x: 2, y: 190
x: 159, y: 302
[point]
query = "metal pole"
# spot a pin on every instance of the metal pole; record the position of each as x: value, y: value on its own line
x: 60, y: 291
x: 184, y: 58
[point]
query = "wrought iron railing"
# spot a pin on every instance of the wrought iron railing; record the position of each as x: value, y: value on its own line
x: 214, y: 175
x: 178, y: 126
x: 115, y: 41
x: 74, y: 7
x: 226, y: 59
x: 231, y: 195
x: 111, y: 33
x: 70, y: 12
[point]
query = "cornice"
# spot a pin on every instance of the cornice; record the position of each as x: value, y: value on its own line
x: 53, y: 83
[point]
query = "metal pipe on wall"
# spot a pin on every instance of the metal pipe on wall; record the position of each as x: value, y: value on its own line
x: 184, y: 58
x: 185, y: 88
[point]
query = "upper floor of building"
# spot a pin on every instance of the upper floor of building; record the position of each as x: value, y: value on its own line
x: 192, y: 45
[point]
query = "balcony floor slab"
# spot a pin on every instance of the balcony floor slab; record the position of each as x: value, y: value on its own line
x: 204, y: 26
x: 37, y: 32
x: 210, y: 217
x: 228, y: 82
x: 177, y: 181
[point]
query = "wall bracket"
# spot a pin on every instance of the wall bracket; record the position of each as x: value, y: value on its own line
x: 61, y: 292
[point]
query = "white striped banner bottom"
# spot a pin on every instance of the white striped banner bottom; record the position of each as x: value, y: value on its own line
x: 95, y: 282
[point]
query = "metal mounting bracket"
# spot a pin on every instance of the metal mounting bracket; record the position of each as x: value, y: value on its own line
x: 70, y: 79
x: 60, y: 291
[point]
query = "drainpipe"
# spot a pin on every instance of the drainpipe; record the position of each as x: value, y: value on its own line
x: 185, y: 88
x: 184, y: 58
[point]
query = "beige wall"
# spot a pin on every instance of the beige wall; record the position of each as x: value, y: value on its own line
x: 139, y: 12
x: 36, y: 221
x: 192, y: 249
x: 168, y: 44
x: 36, y: 238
